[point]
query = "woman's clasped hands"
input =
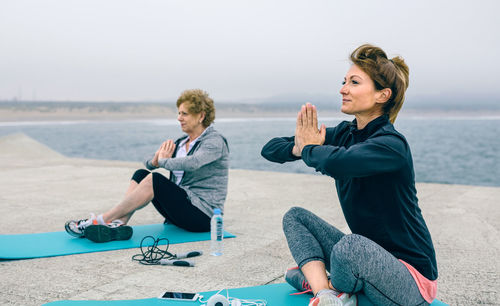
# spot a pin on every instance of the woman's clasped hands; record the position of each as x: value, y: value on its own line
x: 166, y: 150
x: 306, y: 131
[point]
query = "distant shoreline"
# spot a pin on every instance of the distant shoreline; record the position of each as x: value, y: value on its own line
x: 116, y: 111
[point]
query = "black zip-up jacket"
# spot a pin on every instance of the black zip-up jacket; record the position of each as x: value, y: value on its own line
x: 375, y: 180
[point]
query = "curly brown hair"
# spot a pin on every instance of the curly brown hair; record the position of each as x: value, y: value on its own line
x: 385, y: 73
x: 199, y: 102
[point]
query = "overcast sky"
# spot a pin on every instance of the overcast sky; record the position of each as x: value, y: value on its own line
x: 130, y: 50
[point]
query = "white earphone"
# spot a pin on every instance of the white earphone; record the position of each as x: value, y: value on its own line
x: 220, y: 300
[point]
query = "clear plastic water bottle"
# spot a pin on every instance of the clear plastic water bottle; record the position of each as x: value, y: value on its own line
x: 217, y: 233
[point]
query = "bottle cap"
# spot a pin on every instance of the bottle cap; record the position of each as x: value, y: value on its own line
x: 217, y: 211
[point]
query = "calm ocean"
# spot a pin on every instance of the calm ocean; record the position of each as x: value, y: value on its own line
x: 450, y: 150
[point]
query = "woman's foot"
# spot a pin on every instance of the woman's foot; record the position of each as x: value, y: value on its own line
x: 328, y: 297
x: 77, y: 228
x: 295, y: 278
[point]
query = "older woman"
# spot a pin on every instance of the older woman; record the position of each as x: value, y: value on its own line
x: 198, y: 164
x: 389, y: 258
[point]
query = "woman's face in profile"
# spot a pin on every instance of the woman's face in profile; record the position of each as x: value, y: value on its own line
x: 358, y: 93
x: 189, y: 122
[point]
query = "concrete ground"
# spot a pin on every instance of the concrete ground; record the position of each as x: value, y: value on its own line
x: 41, y: 189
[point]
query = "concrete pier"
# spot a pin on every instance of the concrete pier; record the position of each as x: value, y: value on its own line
x: 40, y: 190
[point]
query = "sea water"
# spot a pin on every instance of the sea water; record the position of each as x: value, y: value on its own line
x: 455, y: 150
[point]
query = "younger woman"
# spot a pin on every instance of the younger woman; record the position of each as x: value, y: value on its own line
x: 389, y: 258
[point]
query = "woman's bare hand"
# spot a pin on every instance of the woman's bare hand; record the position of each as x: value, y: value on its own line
x: 296, y: 151
x: 167, y: 149
x: 306, y: 131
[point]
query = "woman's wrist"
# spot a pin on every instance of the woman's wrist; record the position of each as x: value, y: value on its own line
x: 296, y: 151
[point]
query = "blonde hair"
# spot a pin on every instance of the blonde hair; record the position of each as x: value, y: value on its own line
x: 198, y: 102
x: 385, y: 73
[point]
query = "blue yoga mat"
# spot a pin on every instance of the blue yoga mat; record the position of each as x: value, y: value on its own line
x: 22, y: 246
x: 275, y: 295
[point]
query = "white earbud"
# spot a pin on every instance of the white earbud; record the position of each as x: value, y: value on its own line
x: 218, y: 300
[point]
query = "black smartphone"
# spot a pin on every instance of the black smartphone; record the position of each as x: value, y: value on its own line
x: 179, y: 296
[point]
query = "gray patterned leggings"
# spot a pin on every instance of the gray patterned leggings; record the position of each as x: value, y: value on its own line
x: 356, y: 264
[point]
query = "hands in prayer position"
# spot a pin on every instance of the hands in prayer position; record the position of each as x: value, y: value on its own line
x: 306, y: 131
x: 166, y: 150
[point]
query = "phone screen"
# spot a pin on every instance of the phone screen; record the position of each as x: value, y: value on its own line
x: 179, y: 295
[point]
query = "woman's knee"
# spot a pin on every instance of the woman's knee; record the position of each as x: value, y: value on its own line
x: 292, y: 216
x: 140, y: 174
x: 344, y: 260
x: 148, y: 180
x: 347, y: 252
x: 146, y: 184
x: 347, y: 248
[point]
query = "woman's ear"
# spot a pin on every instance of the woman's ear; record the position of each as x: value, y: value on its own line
x: 202, y: 117
x: 383, y: 95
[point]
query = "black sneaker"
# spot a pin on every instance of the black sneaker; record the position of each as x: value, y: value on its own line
x: 115, y: 230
